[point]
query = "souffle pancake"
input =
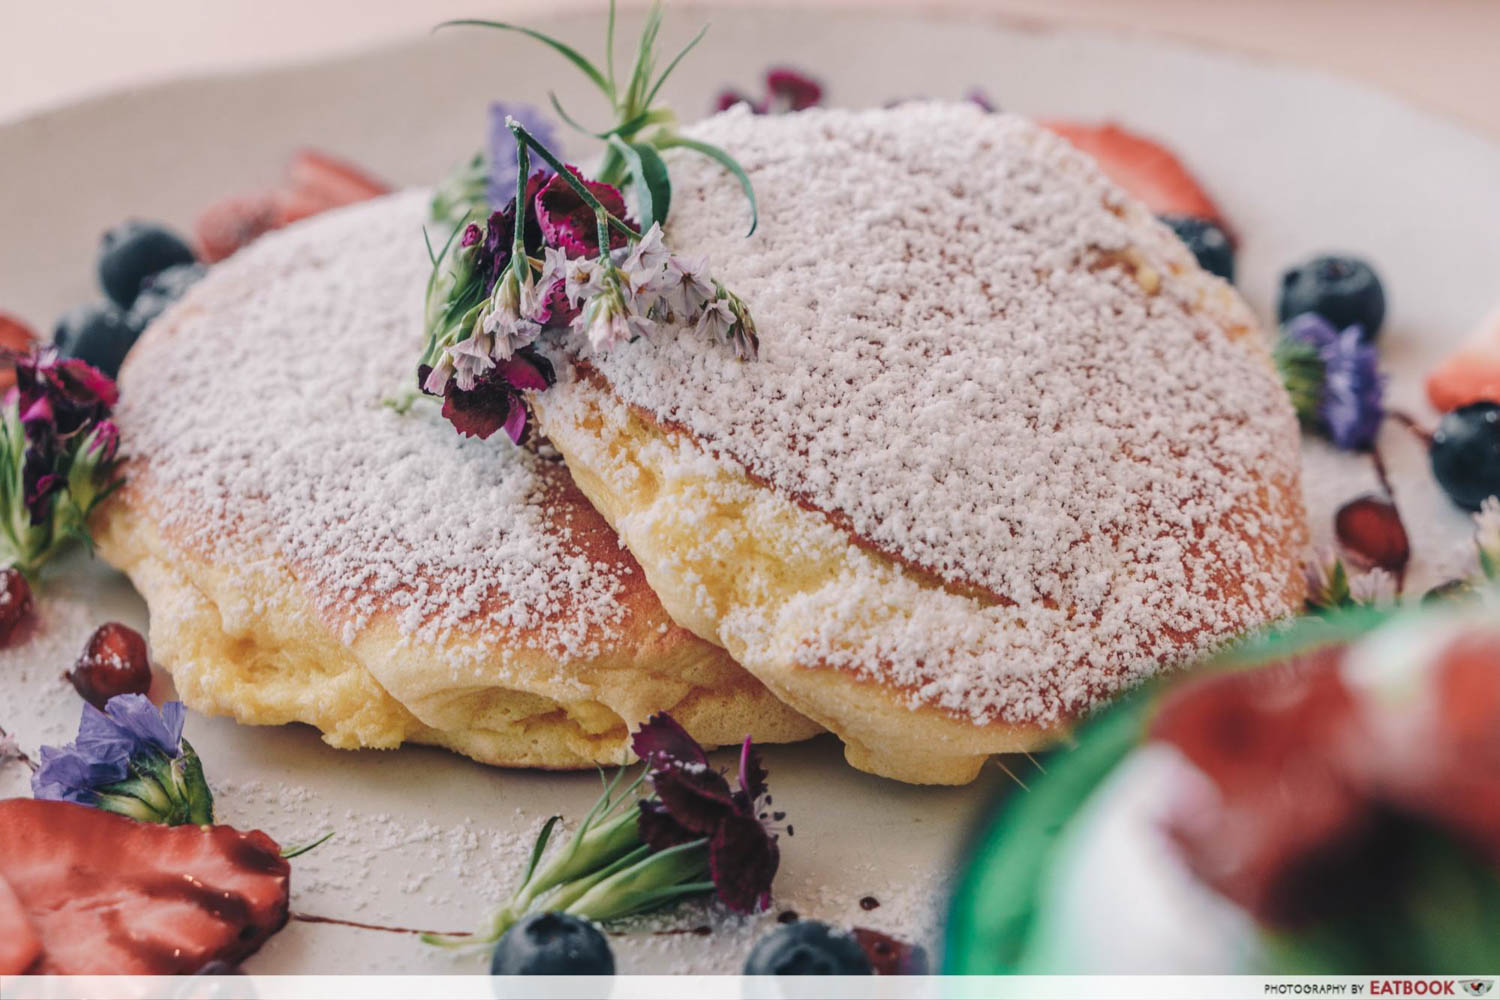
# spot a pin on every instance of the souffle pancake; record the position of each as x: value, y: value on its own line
x: 309, y: 553
x: 1006, y: 448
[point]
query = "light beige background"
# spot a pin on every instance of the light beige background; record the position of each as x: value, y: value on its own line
x: 1443, y: 54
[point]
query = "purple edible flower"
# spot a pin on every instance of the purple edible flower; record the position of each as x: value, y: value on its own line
x: 1349, y: 398
x: 502, y: 146
x: 694, y: 802
x: 107, y: 741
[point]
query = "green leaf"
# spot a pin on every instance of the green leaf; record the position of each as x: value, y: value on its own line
x: 718, y: 155
x: 539, y: 847
x: 653, y: 188
x: 561, y: 48
x: 673, y: 64
x: 640, y: 74
x: 296, y: 852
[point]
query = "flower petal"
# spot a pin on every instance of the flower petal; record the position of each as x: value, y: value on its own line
x: 568, y: 223
x: 697, y: 796
x: 658, y: 829
x: 742, y: 859
x: 752, y: 772
x: 528, y: 370
x: 661, y: 741
x: 480, y: 411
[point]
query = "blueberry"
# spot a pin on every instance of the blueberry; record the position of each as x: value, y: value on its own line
x: 1466, y: 454
x: 1209, y: 243
x: 552, y: 944
x: 1343, y: 290
x: 99, y: 333
x: 161, y: 290
x: 132, y: 252
x: 807, y: 948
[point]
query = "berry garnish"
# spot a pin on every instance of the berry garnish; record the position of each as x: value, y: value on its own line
x: 132, y: 252
x: 161, y: 290
x: 1465, y: 454
x: 99, y: 333
x: 1144, y: 168
x: 225, y: 226
x: 1207, y: 241
x: 15, y: 338
x: 105, y: 894
x: 807, y: 948
x: 1343, y: 290
x: 1370, y: 529
x: 114, y: 662
x: 1472, y: 373
x: 15, y: 603
x: 552, y: 944
x: 891, y: 956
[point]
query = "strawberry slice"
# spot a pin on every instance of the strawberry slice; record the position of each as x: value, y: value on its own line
x: 19, y: 945
x: 316, y: 177
x: 15, y: 338
x: 226, y: 226
x: 108, y: 895
x: 1142, y: 167
x: 1472, y: 373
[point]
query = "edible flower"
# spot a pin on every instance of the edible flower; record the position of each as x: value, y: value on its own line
x: 58, y: 456
x: 786, y: 90
x: 693, y: 835
x: 1330, y: 584
x: 1334, y: 380
x: 131, y: 759
x: 693, y: 802
x: 562, y: 256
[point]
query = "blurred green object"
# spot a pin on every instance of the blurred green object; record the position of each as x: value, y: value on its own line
x: 1447, y: 919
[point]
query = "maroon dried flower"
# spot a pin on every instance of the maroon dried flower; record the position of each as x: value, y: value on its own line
x: 568, y: 223
x: 694, y: 802
x: 786, y: 90
x: 790, y: 90
x: 69, y: 395
x: 495, y: 403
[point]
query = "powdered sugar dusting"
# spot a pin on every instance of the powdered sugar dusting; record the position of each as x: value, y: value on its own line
x: 990, y: 364
x: 258, y: 410
x: 941, y: 365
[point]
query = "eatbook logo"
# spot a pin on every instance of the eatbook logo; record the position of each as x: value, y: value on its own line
x: 1476, y: 987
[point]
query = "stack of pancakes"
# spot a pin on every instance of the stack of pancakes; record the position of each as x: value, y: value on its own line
x: 1006, y: 451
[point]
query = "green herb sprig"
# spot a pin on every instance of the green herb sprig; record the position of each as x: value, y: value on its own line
x: 630, y: 155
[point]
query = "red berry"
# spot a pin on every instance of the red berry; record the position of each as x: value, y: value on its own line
x: 1370, y: 530
x: 114, y: 662
x: 15, y: 603
x: 891, y: 956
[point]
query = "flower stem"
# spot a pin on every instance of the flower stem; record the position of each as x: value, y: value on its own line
x: 525, y: 138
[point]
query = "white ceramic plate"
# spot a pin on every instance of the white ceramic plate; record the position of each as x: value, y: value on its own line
x: 1300, y: 161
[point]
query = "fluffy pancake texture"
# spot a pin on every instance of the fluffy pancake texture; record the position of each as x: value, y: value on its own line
x: 1006, y: 449
x: 311, y: 554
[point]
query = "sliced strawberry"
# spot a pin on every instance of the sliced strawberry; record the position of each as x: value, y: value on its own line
x: 294, y: 206
x: 15, y: 337
x: 108, y: 895
x: 1472, y: 373
x: 228, y: 225
x: 1143, y: 168
x: 319, y: 177
x: 19, y: 945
